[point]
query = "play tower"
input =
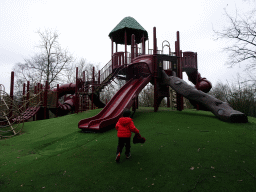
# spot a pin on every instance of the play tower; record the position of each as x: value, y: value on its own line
x: 139, y: 67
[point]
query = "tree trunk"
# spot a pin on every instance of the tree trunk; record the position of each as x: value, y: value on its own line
x: 219, y: 108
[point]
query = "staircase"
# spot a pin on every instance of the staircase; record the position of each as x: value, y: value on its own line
x: 92, y: 88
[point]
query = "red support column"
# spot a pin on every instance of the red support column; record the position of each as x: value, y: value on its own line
x: 45, y: 100
x: 92, y: 106
x: 197, y: 106
x: 24, y: 89
x: 112, y: 47
x: 41, y: 95
x: 99, y: 77
x: 155, y: 70
x: 76, y: 93
x: 132, y: 47
x: 27, y: 95
x: 179, y: 71
x: 125, y: 41
x: 83, y: 76
x: 83, y: 96
x: 57, y: 100
x: 112, y: 52
x: 23, y: 97
x: 143, y: 45
x: 11, y: 91
x: 136, y: 45
x: 168, y: 97
x: 154, y: 41
x: 35, y: 92
x: 12, y: 84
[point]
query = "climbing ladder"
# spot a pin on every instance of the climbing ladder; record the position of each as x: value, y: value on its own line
x: 9, y: 110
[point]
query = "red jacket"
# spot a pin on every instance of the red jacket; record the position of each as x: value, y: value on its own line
x: 125, y: 126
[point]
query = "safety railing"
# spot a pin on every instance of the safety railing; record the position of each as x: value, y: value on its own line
x: 104, y: 72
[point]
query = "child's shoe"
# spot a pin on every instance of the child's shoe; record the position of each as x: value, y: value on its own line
x: 118, y: 157
x: 128, y: 156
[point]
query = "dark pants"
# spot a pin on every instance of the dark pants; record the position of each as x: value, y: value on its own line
x: 124, y: 141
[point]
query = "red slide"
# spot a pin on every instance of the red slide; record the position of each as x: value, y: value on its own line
x: 113, y: 110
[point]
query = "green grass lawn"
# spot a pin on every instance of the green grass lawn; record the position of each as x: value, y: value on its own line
x: 184, y: 151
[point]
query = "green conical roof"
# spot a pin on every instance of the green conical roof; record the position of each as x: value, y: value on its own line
x: 131, y: 26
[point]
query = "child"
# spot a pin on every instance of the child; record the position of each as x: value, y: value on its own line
x: 124, y: 127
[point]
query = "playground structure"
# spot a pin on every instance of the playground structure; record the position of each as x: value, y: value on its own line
x: 137, y: 68
x: 163, y: 70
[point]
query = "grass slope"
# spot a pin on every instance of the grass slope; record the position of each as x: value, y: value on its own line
x: 184, y: 151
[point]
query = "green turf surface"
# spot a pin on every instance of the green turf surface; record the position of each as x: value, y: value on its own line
x: 184, y: 151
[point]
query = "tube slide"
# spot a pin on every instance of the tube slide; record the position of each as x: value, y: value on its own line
x: 68, y: 105
x: 201, y: 84
x: 113, y: 110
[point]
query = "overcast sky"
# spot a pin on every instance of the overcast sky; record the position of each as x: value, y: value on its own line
x: 84, y: 27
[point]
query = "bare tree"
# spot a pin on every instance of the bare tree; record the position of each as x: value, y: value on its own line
x: 239, y: 95
x: 107, y: 93
x: 83, y: 66
x: 242, y: 32
x: 47, y: 65
x: 146, y: 96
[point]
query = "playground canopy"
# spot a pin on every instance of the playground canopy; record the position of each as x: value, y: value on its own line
x: 130, y: 26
